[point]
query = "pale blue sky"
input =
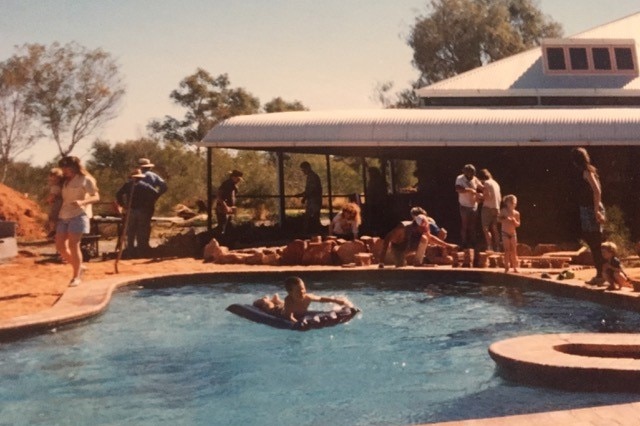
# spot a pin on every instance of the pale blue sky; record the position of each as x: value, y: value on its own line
x: 328, y: 54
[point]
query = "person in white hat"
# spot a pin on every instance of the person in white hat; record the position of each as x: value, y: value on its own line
x: 151, y: 177
x: 160, y: 186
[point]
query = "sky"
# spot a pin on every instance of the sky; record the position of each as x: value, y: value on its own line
x: 328, y: 54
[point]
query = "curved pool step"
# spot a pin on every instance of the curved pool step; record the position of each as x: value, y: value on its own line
x: 577, y: 361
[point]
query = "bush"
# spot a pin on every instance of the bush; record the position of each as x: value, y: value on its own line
x: 616, y: 231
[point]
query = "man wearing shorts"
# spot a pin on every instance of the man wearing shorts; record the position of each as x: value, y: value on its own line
x: 469, y: 189
x: 491, y: 198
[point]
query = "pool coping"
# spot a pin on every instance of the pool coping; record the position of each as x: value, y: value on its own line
x: 521, y: 358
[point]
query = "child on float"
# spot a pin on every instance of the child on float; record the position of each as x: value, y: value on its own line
x: 297, y: 302
x: 612, y: 267
x: 509, y: 220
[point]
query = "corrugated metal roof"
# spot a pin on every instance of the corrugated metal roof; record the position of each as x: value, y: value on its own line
x: 525, y: 70
x: 429, y: 127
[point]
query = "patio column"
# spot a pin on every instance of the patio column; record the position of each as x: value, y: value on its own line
x: 209, y: 188
x: 328, y: 161
x: 281, y: 188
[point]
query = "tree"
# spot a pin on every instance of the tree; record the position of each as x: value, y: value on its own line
x: 405, y: 99
x: 72, y: 90
x: 280, y: 105
x: 183, y: 169
x: 208, y: 100
x: 459, y: 35
x: 18, y: 131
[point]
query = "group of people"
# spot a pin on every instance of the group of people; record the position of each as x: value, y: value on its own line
x: 496, y: 210
x: 137, y: 198
x: 72, y: 193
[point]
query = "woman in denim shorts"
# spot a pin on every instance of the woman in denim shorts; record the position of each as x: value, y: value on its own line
x: 79, y: 191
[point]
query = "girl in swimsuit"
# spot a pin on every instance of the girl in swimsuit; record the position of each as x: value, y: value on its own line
x: 510, y: 220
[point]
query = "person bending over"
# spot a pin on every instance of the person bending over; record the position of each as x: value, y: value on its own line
x: 408, y: 236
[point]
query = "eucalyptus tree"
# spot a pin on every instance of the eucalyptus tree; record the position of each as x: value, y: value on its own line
x: 458, y: 35
x: 72, y: 90
x: 207, y: 100
x: 18, y: 128
x: 280, y: 105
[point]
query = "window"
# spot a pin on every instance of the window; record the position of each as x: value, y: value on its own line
x: 590, y: 56
x: 601, y: 58
x: 624, y: 58
x: 579, y: 59
x: 555, y: 57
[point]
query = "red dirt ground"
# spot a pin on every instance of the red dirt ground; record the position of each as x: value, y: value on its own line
x: 30, y: 218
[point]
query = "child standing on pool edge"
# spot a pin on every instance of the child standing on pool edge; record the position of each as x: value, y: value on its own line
x: 612, y: 268
x: 297, y: 302
x: 510, y: 220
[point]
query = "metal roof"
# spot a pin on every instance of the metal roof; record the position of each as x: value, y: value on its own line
x: 319, y: 131
x: 524, y: 72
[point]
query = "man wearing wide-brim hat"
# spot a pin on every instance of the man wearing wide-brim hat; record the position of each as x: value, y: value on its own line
x: 158, y: 184
x: 152, y: 178
x: 226, y: 200
x: 138, y: 198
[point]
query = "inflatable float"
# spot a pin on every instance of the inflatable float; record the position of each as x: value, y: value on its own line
x: 313, y: 319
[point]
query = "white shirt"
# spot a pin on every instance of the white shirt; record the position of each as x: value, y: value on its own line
x: 77, y: 189
x: 491, y: 193
x: 467, y: 199
x: 342, y: 226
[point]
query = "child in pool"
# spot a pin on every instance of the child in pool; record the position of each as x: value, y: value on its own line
x: 510, y: 220
x: 297, y: 302
x: 612, y: 267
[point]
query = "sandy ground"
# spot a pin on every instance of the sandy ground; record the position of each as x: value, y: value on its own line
x: 32, y: 281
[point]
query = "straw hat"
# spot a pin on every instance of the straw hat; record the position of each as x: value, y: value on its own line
x: 137, y: 173
x: 145, y: 162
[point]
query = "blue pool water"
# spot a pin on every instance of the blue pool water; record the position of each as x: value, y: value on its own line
x: 416, y: 354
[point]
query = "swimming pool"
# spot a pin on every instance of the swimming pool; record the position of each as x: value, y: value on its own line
x: 417, y: 353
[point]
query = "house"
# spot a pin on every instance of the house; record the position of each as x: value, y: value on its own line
x: 519, y: 117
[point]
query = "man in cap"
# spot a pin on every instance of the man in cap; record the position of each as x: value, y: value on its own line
x: 469, y: 191
x: 226, y: 200
x: 139, y: 197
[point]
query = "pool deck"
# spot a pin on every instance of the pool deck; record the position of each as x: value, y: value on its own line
x: 593, y: 360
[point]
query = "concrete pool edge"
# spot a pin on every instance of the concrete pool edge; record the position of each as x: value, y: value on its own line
x: 93, y: 297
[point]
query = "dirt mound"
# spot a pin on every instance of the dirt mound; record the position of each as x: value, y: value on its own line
x: 28, y: 215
